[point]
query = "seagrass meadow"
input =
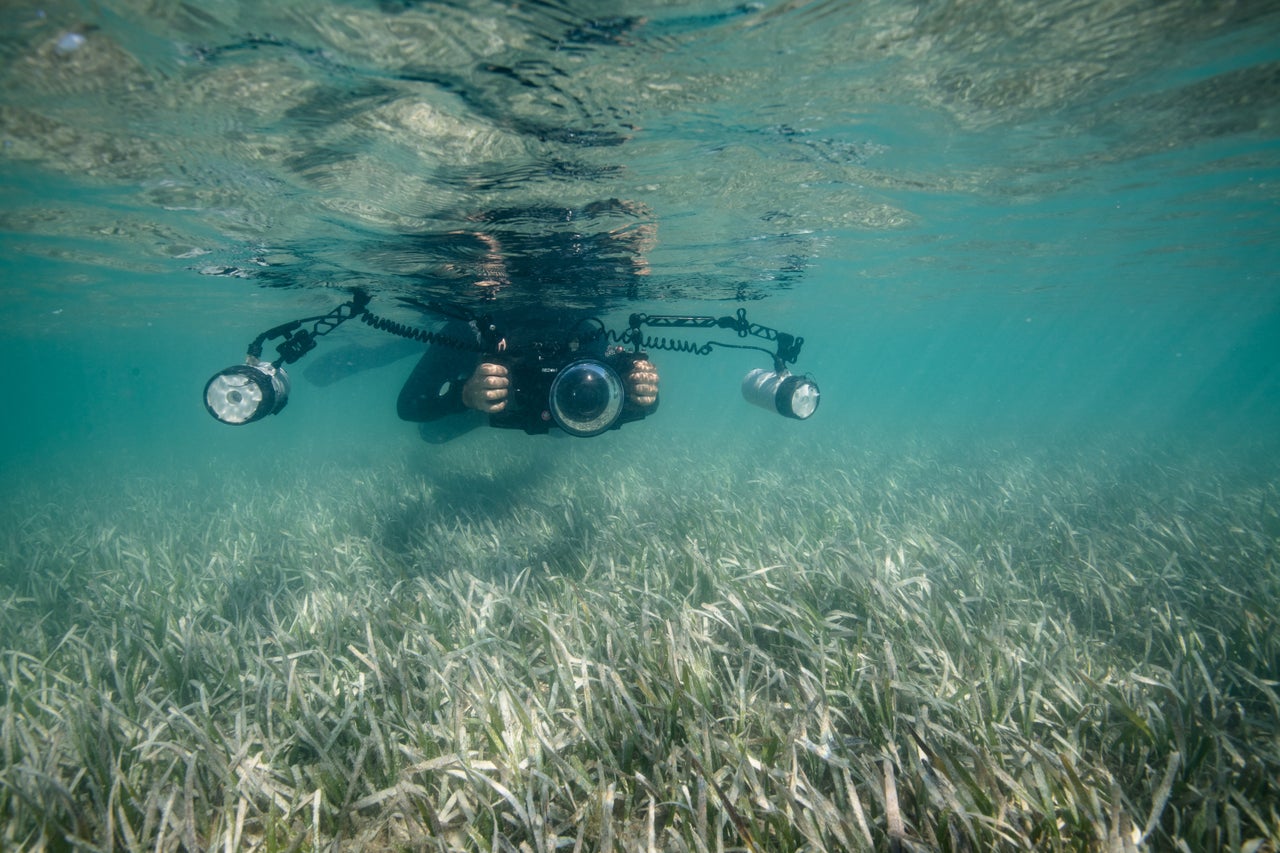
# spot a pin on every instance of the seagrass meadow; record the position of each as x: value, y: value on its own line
x: 924, y: 646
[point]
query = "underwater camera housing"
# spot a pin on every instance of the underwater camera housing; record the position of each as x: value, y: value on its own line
x: 578, y: 384
x: 584, y: 396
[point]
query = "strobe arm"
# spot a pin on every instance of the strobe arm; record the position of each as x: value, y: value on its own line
x: 244, y: 393
x: 788, y: 349
x: 299, y: 341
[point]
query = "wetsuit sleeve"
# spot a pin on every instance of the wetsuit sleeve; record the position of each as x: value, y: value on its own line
x: 434, y: 388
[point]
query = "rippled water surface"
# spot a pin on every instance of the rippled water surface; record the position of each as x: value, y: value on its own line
x: 337, y: 144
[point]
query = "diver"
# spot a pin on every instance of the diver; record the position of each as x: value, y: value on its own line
x: 535, y: 358
x: 572, y: 258
x: 516, y: 289
x: 547, y: 376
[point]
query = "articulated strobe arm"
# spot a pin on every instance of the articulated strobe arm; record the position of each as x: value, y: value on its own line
x: 776, y: 390
x: 787, y: 352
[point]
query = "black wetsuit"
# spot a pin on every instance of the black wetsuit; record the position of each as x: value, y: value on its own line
x: 434, y: 388
x: 432, y: 395
x: 589, y: 258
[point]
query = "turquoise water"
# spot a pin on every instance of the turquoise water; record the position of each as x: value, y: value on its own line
x: 1016, y: 230
x: 1010, y: 220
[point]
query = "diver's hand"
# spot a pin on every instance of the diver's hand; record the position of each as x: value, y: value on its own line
x: 642, y: 383
x: 486, y: 390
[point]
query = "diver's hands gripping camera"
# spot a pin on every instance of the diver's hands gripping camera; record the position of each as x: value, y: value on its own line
x: 583, y: 395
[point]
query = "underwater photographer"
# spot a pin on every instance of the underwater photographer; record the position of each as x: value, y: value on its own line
x: 536, y: 377
x: 514, y: 337
x: 528, y: 279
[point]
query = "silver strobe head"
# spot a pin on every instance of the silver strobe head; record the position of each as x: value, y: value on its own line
x: 785, y: 393
x: 247, y: 392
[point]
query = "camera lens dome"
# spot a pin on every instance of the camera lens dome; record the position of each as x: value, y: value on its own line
x: 586, y: 397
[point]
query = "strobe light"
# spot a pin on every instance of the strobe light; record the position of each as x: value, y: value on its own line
x: 782, y: 392
x: 247, y: 392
